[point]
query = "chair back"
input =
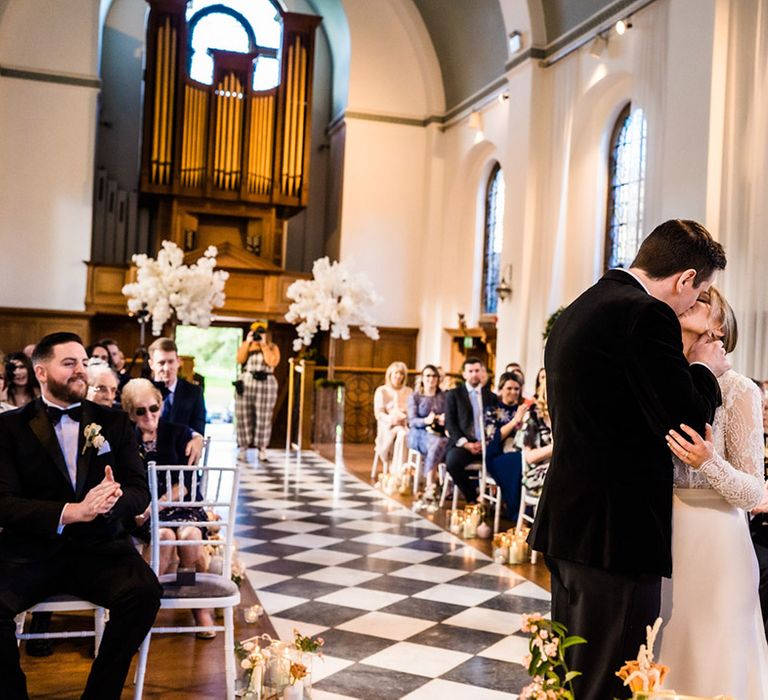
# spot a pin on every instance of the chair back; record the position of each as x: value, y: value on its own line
x: 214, y: 489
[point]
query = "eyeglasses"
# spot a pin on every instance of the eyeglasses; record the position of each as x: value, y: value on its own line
x: 141, y: 410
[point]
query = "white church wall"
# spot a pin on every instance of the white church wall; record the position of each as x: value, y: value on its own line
x: 47, y: 132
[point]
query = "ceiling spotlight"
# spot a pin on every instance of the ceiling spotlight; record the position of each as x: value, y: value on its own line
x: 622, y: 25
x: 515, y: 42
x: 503, y: 96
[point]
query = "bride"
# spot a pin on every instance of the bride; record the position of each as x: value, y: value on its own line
x: 713, y: 640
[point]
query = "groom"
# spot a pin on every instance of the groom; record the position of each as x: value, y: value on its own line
x: 604, y: 520
x: 70, y: 480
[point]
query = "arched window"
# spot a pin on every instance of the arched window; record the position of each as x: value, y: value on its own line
x: 626, y: 188
x: 494, y: 232
x: 235, y: 25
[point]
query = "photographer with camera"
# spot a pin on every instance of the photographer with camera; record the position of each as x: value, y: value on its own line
x: 255, y: 390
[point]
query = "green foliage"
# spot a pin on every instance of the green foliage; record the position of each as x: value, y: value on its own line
x: 551, y: 322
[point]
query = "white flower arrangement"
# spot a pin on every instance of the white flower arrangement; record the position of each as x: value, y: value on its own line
x: 335, y: 299
x: 166, y: 286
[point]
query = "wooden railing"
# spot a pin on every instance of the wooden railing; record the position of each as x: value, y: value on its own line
x: 360, y: 384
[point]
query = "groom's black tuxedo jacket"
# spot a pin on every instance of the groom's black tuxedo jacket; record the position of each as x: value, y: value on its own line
x: 617, y: 381
x: 35, y: 484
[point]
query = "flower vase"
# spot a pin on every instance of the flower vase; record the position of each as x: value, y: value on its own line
x: 255, y: 684
x: 304, y: 658
x: 277, y: 674
x: 294, y: 692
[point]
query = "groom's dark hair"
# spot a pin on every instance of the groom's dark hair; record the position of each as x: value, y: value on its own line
x: 44, y: 349
x: 678, y: 245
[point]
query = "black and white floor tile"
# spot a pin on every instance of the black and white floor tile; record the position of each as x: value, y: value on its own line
x: 407, y: 610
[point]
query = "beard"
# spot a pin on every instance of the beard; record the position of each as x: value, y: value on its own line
x: 70, y: 391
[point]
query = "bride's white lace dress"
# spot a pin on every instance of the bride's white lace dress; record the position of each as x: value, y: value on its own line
x: 713, y: 638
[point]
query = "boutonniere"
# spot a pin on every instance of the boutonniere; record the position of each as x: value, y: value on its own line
x: 93, y: 437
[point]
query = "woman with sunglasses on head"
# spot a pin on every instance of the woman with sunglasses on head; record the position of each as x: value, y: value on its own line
x: 164, y: 442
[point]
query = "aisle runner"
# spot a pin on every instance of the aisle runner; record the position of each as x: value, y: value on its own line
x: 406, y: 609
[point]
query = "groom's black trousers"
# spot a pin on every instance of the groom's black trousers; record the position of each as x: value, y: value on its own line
x: 611, y: 611
x: 120, y: 581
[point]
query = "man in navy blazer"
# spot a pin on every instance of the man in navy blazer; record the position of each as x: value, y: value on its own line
x: 183, y: 401
x: 617, y: 382
x: 71, y: 481
x: 464, y: 407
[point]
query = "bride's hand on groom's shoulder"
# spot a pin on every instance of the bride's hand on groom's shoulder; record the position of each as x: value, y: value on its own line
x: 711, y: 353
x: 696, y: 449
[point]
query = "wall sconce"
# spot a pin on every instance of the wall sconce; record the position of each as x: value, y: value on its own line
x: 515, y: 42
x: 504, y: 287
x: 475, y: 121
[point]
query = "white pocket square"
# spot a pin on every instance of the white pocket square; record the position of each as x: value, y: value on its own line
x: 105, y: 447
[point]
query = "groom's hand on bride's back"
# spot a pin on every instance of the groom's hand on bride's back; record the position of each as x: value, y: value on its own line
x: 710, y: 353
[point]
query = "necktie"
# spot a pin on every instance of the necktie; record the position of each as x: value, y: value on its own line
x: 55, y: 413
x: 474, y: 398
x: 167, y: 405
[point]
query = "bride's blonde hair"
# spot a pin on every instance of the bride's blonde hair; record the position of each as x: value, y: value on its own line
x: 721, y: 316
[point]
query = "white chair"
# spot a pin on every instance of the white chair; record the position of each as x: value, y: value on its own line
x: 488, y: 491
x: 526, y: 500
x: 414, y: 462
x: 210, y: 590
x: 64, y: 603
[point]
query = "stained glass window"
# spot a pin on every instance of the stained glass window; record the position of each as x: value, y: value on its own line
x: 626, y: 188
x: 494, y: 232
x: 235, y: 25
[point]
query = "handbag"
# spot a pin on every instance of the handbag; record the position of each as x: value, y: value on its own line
x: 239, y: 386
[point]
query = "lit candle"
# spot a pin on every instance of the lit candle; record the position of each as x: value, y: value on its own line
x: 253, y: 613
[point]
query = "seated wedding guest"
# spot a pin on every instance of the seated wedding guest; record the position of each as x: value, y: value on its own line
x: 21, y: 386
x: 63, y: 511
x: 4, y: 405
x: 98, y: 351
x: 535, y: 438
x: 118, y: 362
x: 183, y: 401
x: 426, y: 421
x: 390, y: 407
x: 464, y: 409
x: 166, y: 443
x: 102, y: 383
x: 502, y: 455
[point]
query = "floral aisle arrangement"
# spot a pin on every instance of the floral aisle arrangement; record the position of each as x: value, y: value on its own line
x: 643, y: 675
x: 275, y: 670
x: 333, y: 300
x: 552, y: 680
x: 166, y: 286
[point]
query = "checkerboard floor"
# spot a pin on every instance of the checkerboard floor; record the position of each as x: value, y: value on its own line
x: 407, y: 610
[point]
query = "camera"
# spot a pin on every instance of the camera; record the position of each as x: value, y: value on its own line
x: 257, y: 337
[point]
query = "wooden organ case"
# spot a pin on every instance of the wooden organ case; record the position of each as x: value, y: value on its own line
x: 225, y: 164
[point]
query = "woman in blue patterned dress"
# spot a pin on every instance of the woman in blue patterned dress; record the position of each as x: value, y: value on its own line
x: 426, y: 421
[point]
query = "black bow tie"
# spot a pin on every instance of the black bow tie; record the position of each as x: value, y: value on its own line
x: 55, y: 413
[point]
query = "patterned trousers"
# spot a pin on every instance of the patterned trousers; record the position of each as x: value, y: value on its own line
x: 253, y: 411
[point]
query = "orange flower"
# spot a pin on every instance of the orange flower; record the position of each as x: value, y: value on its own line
x: 642, y: 679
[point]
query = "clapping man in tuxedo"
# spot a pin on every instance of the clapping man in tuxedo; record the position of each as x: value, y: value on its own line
x: 464, y: 408
x: 71, y: 479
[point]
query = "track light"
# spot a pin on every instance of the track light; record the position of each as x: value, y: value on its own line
x: 622, y: 25
x: 598, y: 45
